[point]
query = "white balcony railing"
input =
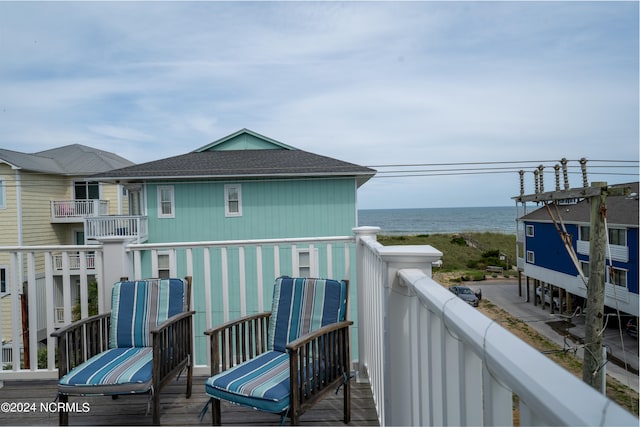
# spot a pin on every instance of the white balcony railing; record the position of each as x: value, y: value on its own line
x: 76, y: 210
x: 134, y: 227
x: 74, y: 261
x: 618, y: 252
x: 56, y: 279
x: 430, y: 358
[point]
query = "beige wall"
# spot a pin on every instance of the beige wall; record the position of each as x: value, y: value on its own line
x: 37, y: 192
x: 8, y: 215
x: 111, y: 192
x: 6, y: 318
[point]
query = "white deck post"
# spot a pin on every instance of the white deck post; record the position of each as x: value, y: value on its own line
x: 401, y: 337
x: 116, y: 263
x: 362, y: 233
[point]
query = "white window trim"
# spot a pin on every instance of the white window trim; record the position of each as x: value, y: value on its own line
x: 580, y: 234
x: 3, y: 194
x: 173, y: 203
x: 586, y: 264
x: 86, y: 185
x: 155, y: 264
x: 624, y: 233
x: 6, y: 277
x: 531, y: 257
x: 227, y: 190
x: 530, y: 230
x: 626, y: 277
x: 312, y: 256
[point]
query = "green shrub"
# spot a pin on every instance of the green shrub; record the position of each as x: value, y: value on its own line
x: 459, y: 241
x: 92, y: 290
x: 457, y: 254
x: 494, y: 253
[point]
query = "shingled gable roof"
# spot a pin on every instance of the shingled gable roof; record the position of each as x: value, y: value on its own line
x: 621, y: 210
x: 227, y: 158
x: 70, y: 160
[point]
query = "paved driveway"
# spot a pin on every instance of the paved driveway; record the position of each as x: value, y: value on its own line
x: 504, y: 294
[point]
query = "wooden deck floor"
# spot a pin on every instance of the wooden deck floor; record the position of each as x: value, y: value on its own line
x: 176, y: 409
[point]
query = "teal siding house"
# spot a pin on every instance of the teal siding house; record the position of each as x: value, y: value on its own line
x: 244, y: 186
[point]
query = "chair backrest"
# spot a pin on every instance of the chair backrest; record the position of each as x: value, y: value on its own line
x: 303, y: 305
x: 139, y: 306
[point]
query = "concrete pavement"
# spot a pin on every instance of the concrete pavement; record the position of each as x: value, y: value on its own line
x: 622, y: 348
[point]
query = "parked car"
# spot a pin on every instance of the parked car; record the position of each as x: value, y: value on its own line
x: 466, y: 294
x: 632, y: 327
x: 547, y: 298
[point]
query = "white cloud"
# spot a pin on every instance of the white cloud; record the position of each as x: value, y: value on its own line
x: 366, y: 82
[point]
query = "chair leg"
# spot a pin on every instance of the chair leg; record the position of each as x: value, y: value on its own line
x: 156, y: 407
x: 189, y: 378
x: 216, y: 418
x: 347, y: 401
x: 64, y: 415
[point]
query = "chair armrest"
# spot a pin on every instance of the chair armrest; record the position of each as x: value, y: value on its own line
x: 170, y: 321
x: 78, y: 324
x: 238, y: 340
x: 172, y: 342
x: 325, y: 330
x: 81, y: 340
x: 318, y: 361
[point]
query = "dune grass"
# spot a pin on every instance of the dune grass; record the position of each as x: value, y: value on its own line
x: 463, y: 251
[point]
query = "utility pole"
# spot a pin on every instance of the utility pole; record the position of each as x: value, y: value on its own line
x: 597, y: 193
x: 593, y: 357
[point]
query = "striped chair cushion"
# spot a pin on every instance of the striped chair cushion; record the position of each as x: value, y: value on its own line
x: 115, y: 371
x: 137, y: 307
x: 303, y: 305
x: 261, y: 383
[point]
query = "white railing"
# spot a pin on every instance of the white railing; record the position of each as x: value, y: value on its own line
x: 618, y: 252
x: 62, y: 210
x: 134, y: 227
x: 432, y: 359
x: 74, y: 261
x: 32, y: 271
x: 235, y: 278
x: 231, y: 278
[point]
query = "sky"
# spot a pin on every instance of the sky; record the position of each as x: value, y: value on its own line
x: 452, y: 86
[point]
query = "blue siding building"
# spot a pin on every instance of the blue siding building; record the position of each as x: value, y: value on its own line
x: 544, y: 258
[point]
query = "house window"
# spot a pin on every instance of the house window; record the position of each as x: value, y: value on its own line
x: 307, y: 262
x: 584, y: 266
x: 304, y: 263
x: 531, y: 257
x: 530, y: 231
x: 618, y: 236
x: 583, y: 233
x: 164, y: 266
x: 232, y: 200
x: 86, y: 190
x: 3, y: 280
x: 3, y: 195
x: 617, y: 276
x: 166, y: 204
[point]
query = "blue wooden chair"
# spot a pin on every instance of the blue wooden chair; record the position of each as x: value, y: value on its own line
x: 284, y: 360
x: 142, y: 344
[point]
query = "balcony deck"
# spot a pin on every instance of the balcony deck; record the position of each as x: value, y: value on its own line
x: 176, y: 409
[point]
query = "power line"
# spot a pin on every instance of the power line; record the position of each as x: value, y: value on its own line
x: 496, y: 163
x: 460, y: 169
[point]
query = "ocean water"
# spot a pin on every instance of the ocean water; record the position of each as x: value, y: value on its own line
x: 440, y: 220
